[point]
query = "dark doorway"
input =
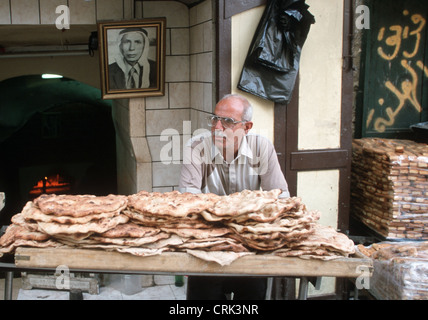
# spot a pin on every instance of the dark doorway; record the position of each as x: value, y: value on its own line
x: 55, y: 137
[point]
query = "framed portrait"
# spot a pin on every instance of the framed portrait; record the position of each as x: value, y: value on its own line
x: 132, y: 58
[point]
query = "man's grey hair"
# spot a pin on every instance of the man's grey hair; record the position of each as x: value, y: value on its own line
x: 247, y: 114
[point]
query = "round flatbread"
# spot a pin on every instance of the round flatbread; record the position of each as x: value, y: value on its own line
x: 172, y: 203
x: 243, y: 202
x: 98, y: 226
x: 79, y: 205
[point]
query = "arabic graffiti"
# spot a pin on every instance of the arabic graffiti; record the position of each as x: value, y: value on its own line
x: 401, y: 43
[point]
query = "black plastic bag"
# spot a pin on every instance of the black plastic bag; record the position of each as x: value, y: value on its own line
x: 272, y: 62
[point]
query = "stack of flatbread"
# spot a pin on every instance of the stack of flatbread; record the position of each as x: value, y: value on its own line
x: 130, y: 238
x: 170, y: 209
x: 55, y: 220
x: 262, y: 221
x: 21, y: 236
x: 76, y: 217
x: 324, y: 243
x: 211, y: 227
x: 284, y: 227
x: 179, y: 215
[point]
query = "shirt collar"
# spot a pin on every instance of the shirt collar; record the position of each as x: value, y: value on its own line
x: 244, y: 150
x: 128, y: 67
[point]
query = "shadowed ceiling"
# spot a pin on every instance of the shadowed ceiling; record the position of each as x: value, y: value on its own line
x: 27, y: 38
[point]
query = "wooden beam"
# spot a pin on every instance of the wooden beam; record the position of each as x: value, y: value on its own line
x: 233, y: 7
x: 319, y: 159
x: 223, y: 51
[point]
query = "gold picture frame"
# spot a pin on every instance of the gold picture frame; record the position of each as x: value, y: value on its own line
x: 129, y: 67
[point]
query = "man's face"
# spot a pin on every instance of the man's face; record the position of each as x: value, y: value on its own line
x: 131, y: 46
x: 228, y: 140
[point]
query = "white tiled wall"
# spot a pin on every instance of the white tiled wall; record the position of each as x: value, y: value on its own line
x: 47, y: 10
x: 177, y: 68
x: 81, y: 11
x: 159, y: 120
x: 110, y: 10
x: 5, y: 12
x: 201, y: 62
x: 22, y: 11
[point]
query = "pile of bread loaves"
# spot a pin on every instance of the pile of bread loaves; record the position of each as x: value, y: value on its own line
x: 149, y: 223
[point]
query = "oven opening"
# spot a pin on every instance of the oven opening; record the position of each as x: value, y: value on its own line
x: 56, y: 183
x: 61, y: 139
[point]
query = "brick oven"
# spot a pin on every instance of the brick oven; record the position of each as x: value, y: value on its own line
x: 54, y: 145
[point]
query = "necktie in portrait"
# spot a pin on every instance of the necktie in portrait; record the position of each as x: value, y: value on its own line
x: 131, y: 83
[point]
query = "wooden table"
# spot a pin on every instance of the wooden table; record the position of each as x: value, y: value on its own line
x: 186, y: 264
x: 180, y: 263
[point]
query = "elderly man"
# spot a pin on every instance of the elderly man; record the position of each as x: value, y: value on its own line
x: 226, y: 160
x: 132, y: 69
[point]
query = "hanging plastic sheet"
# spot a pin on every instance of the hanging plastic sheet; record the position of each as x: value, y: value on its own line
x: 272, y: 63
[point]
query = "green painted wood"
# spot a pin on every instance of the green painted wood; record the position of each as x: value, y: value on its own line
x: 395, y: 69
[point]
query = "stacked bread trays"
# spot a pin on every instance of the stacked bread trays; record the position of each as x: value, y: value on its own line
x: 400, y: 269
x: 389, y: 189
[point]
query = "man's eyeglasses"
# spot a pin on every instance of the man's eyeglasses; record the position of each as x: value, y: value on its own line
x: 225, y: 122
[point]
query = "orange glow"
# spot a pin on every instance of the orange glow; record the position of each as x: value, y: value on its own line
x: 51, y: 184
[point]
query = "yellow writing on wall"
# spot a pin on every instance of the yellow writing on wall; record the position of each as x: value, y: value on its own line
x: 391, y: 47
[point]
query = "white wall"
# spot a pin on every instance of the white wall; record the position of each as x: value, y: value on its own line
x: 243, y: 27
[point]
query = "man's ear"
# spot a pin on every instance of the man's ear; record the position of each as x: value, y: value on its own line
x: 248, y: 126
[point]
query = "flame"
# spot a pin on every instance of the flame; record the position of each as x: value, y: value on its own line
x: 51, y: 184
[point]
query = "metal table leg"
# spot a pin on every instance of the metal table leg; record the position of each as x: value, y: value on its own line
x: 8, y: 285
x: 269, y: 288
x: 356, y: 292
x: 303, y: 288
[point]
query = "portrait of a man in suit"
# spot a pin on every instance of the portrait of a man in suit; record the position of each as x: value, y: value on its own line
x: 131, y: 67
